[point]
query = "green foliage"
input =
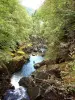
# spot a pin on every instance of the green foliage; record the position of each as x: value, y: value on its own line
x: 72, y: 64
x: 53, y: 22
x: 59, y: 21
x: 15, y: 25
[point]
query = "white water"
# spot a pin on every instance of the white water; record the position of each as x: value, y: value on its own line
x: 19, y: 93
x: 27, y: 69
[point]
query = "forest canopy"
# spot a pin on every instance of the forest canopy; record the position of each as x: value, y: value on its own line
x: 15, y: 25
x: 58, y: 17
x: 54, y: 21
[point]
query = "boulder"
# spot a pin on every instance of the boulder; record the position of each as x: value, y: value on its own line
x: 32, y: 89
x: 45, y: 62
x: 26, y: 82
x: 35, y: 49
x: 36, y: 66
x: 16, y: 63
x: 46, y: 85
x: 53, y: 93
x: 41, y: 75
x: 33, y: 92
x: 4, y: 79
x: 55, y: 72
x: 38, y: 83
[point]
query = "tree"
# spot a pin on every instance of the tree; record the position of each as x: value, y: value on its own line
x: 15, y: 25
x: 58, y: 17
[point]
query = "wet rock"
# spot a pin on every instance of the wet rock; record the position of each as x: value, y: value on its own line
x: 45, y: 62
x: 33, y: 92
x: 36, y: 66
x: 38, y: 83
x: 47, y: 85
x: 16, y: 64
x: 33, y: 54
x: 35, y: 49
x: 32, y: 89
x: 43, y: 54
x: 26, y: 82
x: 4, y: 79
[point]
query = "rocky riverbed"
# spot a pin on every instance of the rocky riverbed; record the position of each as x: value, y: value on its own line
x: 19, y: 58
x: 48, y: 84
x: 6, y: 71
x: 52, y: 80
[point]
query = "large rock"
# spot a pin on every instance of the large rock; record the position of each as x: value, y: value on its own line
x: 38, y: 83
x: 34, y: 92
x: 32, y: 89
x: 28, y: 49
x: 45, y: 62
x: 41, y: 75
x: 47, y: 84
x: 55, y: 72
x: 16, y: 64
x: 26, y: 82
x: 54, y: 93
x: 4, y: 79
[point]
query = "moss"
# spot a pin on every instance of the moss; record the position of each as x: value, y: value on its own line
x: 25, y: 46
x: 29, y: 45
x: 11, y: 54
x: 17, y: 58
x: 72, y: 65
x: 22, y: 47
x: 20, y: 52
x: 73, y: 56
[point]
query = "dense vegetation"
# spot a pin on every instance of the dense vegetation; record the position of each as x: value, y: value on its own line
x: 58, y: 23
x: 52, y: 26
x: 54, y: 22
x: 15, y: 26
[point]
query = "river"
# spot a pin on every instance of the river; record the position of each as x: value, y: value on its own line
x: 20, y: 92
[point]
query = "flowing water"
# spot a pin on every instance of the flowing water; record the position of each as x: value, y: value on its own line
x: 20, y: 93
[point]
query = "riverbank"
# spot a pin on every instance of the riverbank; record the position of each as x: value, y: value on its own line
x: 53, y: 79
x: 19, y: 58
x: 52, y: 82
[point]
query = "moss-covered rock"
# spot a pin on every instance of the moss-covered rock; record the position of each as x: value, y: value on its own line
x: 20, y: 52
x: 16, y: 63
